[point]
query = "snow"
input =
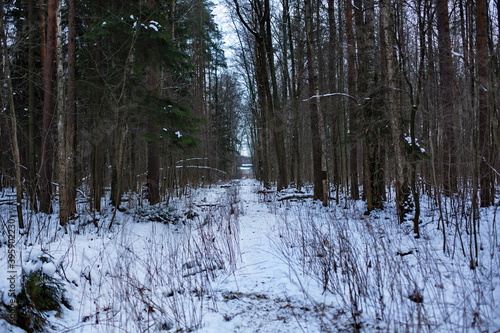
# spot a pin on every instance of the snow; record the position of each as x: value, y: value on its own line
x: 5, y: 327
x: 49, y: 269
x: 233, y: 258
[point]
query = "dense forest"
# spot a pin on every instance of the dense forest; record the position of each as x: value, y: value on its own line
x: 357, y: 97
x: 116, y: 94
x: 382, y: 102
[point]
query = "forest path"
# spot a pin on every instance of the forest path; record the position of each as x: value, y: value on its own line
x: 263, y: 294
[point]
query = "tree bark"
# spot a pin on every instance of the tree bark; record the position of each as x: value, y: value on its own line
x: 353, y: 107
x: 370, y: 100
x: 393, y: 109
x: 446, y: 98
x: 46, y: 162
x: 13, y: 121
x: 32, y: 150
x: 71, y: 108
x: 319, y: 174
x: 485, y: 163
x: 275, y: 110
x: 66, y: 107
x: 61, y: 125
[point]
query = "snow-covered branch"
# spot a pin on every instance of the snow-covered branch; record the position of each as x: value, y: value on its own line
x: 200, y: 167
x: 331, y: 94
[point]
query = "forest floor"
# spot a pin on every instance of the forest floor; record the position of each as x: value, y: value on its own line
x: 233, y: 258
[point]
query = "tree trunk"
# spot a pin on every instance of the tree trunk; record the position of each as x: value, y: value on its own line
x: 32, y: 152
x: 13, y: 121
x: 393, y: 109
x: 275, y: 110
x: 353, y: 107
x: 61, y: 125
x: 446, y: 98
x: 153, y: 156
x: 370, y: 99
x: 71, y: 109
x: 486, y: 175
x: 46, y: 162
x: 319, y: 175
x: 66, y: 118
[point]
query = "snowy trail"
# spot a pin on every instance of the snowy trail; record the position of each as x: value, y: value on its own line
x: 261, y: 295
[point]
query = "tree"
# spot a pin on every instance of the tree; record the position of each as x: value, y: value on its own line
x: 353, y: 107
x: 485, y: 144
x: 373, y: 130
x: 267, y: 89
x: 394, y: 110
x: 446, y: 97
x: 66, y: 108
x: 13, y: 120
x: 46, y: 160
x: 319, y: 174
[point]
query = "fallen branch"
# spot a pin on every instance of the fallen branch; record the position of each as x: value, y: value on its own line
x: 296, y: 196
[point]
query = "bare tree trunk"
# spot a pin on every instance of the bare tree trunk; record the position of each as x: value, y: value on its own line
x: 61, y: 125
x: 13, y: 121
x: 31, y: 189
x: 353, y: 108
x: 275, y: 110
x: 46, y: 163
x: 319, y: 174
x: 447, y: 97
x: 153, y: 156
x: 370, y: 99
x: 486, y: 176
x: 71, y: 108
x: 266, y: 120
x: 66, y: 118
x: 393, y: 109
x: 296, y: 114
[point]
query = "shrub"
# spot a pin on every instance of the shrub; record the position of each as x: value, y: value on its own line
x: 40, y: 293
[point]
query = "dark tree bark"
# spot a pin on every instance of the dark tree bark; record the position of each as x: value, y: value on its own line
x: 371, y: 105
x: 32, y: 150
x: 353, y: 107
x: 66, y: 120
x: 13, y: 120
x: 394, y: 109
x: 485, y: 144
x: 46, y: 162
x: 71, y: 108
x: 267, y: 89
x: 319, y: 175
x: 446, y: 98
x: 275, y: 110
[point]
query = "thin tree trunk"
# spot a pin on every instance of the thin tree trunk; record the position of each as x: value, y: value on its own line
x: 13, y: 121
x: 296, y: 158
x: 447, y: 96
x: 32, y: 107
x: 71, y: 108
x: 61, y: 126
x: 153, y: 156
x: 353, y: 113
x: 486, y: 176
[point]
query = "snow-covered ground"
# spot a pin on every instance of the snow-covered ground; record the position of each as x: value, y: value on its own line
x: 227, y: 258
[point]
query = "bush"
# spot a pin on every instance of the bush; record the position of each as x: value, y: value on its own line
x: 40, y: 293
